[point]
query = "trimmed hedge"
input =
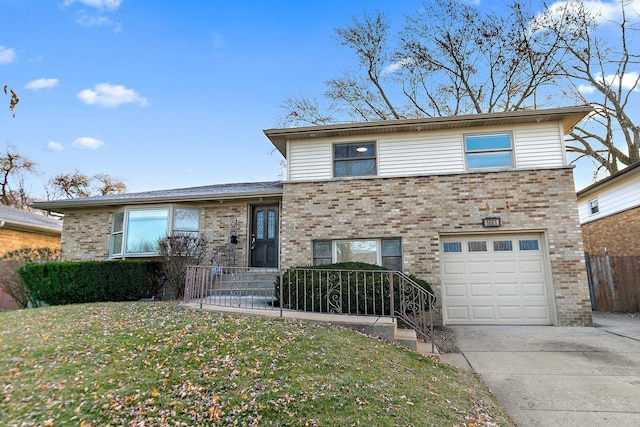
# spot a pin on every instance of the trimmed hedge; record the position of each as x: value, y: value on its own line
x: 57, y: 283
x: 307, y: 290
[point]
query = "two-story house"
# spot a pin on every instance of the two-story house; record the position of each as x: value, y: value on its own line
x: 481, y: 206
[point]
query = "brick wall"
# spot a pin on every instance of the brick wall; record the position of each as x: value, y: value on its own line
x: 419, y: 209
x: 618, y: 233
x: 86, y: 234
x: 11, y: 240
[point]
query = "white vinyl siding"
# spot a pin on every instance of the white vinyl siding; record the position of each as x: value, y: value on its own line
x: 429, y: 152
x: 310, y: 160
x: 618, y: 197
x: 538, y: 146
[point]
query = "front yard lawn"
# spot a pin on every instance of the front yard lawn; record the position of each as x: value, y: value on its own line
x: 158, y: 364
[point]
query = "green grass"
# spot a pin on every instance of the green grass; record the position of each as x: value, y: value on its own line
x: 159, y: 364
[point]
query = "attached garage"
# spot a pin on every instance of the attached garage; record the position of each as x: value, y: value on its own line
x: 499, y: 279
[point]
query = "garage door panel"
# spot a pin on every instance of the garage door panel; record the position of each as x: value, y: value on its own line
x: 456, y: 290
x: 480, y: 290
x: 504, y: 284
x: 505, y: 267
x: 509, y: 313
x: 479, y: 267
x: 533, y: 289
x: 453, y: 268
x: 458, y: 313
x: 507, y: 290
x: 482, y: 313
x: 531, y: 267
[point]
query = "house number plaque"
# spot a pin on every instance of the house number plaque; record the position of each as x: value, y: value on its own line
x: 491, y: 222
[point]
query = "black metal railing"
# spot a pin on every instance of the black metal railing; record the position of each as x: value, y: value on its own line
x: 338, y: 292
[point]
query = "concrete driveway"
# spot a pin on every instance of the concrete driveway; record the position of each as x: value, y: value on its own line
x: 550, y: 376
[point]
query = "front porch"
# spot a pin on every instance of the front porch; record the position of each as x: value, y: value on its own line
x: 380, y: 303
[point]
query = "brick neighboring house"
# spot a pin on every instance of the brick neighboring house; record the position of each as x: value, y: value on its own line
x: 481, y: 206
x: 21, y: 229
x: 610, y: 214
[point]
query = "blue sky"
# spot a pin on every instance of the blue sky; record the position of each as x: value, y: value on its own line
x: 165, y: 94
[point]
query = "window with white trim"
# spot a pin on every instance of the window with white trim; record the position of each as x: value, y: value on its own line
x: 384, y: 252
x: 493, y: 150
x: 355, y: 159
x: 593, y: 206
x: 136, y: 232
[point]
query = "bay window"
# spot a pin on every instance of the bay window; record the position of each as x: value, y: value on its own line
x: 136, y: 232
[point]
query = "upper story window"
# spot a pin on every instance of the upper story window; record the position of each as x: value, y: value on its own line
x: 488, y: 150
x: 136, y: 232
x: 355, y: 159
x: 593, y: 206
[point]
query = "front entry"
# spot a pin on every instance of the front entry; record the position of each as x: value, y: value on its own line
x: 264, y: 236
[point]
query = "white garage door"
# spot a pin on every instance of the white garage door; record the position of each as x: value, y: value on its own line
x: 494, y: 279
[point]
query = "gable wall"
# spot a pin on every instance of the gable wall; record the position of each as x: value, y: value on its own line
x: 419, y: 209
x: 433, y: 152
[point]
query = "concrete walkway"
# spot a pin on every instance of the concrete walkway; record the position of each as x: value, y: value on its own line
x: 550, y: 376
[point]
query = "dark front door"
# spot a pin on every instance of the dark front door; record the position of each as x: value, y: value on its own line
x: 264, y: 237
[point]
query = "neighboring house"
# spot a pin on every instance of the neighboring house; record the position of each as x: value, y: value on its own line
x: 610, y: 214
x: 610, y: 217
x: 481, y: 206
x: 22, y: 229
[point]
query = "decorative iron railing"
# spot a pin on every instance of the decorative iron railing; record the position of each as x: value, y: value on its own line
x: 339, y: 292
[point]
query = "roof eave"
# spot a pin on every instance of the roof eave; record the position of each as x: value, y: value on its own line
x: 624, y: 173
x: 64, y: 205
x: 568, y: 116
x: 25, y: 226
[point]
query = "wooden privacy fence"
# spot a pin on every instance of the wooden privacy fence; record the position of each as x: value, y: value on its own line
x: 614, y: 282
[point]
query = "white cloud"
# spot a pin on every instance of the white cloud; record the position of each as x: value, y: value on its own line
x: 98, y: 4
x: 586, y: 89
x: 41, y: 84
x: 602, y: 11
x: 629, y: 81
x: 7, y: 55
x: 93, y: 21
x: 108, y: 95
x: 86, y: 142
x: 55, y: 146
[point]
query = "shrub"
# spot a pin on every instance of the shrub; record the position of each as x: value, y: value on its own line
x: 178, y: 252
x: 10, y: 264
x: 360, y: 288
x: 58, y: 283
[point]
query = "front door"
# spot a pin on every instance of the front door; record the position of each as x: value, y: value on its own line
x: 264, y: 236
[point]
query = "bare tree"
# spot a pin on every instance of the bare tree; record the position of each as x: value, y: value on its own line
x: 13, y: 167
x: 77, y: 184
x: 601, y: 51
x: 452, y: 58
x: 178, y: 252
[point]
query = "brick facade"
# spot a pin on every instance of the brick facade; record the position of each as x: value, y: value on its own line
x: 11, y: 240
x: 618, y: 233
x: 86, y: 234
x: 419, y: 209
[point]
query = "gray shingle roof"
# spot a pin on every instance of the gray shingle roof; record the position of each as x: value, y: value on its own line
x: 204, y: 193
x: 17, y: 218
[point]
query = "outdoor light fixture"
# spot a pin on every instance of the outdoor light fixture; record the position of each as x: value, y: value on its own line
x: 234, y: 239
